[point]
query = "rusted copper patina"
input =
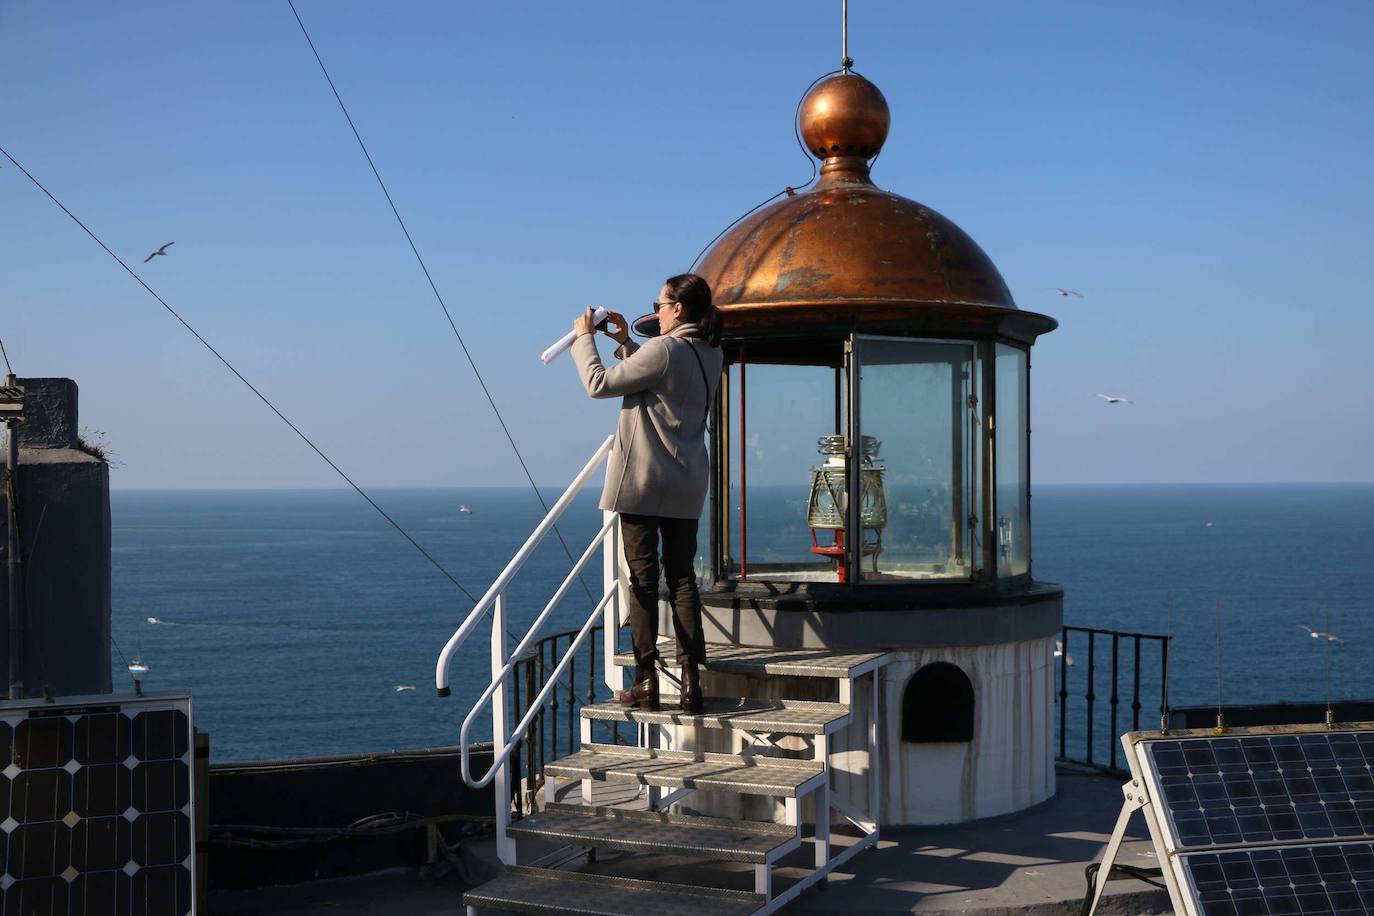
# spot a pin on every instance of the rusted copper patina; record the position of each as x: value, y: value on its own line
x: 847, y: 255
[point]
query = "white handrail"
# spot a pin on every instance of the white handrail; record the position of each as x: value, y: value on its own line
x: 536, y: 705
x: 498, y: 678
x: 499, y: 586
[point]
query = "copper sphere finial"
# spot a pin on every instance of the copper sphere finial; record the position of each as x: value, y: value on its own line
x: 844, y: 115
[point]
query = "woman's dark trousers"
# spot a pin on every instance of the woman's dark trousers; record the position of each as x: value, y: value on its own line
x: 640, y: 535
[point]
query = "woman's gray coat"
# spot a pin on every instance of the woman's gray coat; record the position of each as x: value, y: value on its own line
x: 658, y: 464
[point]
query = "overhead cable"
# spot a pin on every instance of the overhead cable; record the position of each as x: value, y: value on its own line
x: 239, y: 375
x: 434, y: 288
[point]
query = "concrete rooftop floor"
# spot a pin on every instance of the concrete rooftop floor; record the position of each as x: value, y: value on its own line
x: 1027, y: 863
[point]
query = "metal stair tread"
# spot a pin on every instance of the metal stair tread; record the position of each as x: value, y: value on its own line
x: 757, y: 842
x: 540, y: 890
x: 768, y: 660
x: 751, y: 775
x: 796, y: 717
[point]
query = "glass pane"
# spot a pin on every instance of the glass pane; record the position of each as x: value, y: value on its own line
x: 1013, y: 463
x: 917, y: 401
x: 787, y: 409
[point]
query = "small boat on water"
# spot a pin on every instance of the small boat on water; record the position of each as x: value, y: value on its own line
x: 138, y: 667
x: 465, y: 509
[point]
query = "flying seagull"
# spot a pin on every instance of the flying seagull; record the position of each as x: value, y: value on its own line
x: 1318, y: 634
x: 160, y: 251
x: 1066, y: 292
x: 1113, y: 399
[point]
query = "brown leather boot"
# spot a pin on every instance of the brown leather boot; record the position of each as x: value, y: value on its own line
x: 644, y: 693
x: 691, y: 688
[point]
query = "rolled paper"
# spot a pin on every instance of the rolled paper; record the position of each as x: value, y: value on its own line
x: 567, y: 339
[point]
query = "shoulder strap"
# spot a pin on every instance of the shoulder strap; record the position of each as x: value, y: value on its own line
x: 702, y: 368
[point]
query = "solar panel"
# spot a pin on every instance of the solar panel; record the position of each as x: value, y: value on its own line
x: 96, y: 808
x: 1330, y: 878
x: 1266, y: 788
x: 1261, y: 820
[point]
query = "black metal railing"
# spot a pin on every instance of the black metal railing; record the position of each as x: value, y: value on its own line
x: 1076, y: 679
x: 555, y: 731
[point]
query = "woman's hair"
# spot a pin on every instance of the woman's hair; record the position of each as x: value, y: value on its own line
x: 694, y: 295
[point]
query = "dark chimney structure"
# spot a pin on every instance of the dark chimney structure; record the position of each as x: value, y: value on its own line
x: 62, y: 499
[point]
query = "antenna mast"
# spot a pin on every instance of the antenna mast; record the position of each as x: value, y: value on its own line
x: 846, y: 62
x: 1326, y: 625
x: 1221, y: 721
x: 1164, y: 704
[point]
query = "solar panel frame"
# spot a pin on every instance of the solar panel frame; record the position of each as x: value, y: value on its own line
x: 97, y: 805
x: 1310, y: 878
x: 1175, y: 857
x: 1141, y: 778
x: 1252, y: 789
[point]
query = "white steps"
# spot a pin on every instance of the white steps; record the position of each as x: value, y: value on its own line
x: 751, y: 775
x: 672, y: 774
x: 783, y: 662
x: 790, y: 717
x: 659, y: 832
x: 543, y: 890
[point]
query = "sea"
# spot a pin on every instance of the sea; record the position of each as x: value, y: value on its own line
x: 303, y: 624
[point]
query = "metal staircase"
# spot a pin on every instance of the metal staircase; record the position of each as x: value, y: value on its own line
x: 757, y: 768
x: 763, y: 748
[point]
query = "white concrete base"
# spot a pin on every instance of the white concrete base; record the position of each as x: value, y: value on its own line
x: 1009, y: 764
x: 1007, y: 767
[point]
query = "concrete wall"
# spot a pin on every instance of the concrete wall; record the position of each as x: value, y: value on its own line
x: 1009, y: 764
x: 1007, y: 767
x: 64, y: 510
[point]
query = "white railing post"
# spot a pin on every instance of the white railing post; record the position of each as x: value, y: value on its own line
x: 610, y: 617
x: 461, y: 634
x: 875, y: 785
x: 500, y: 728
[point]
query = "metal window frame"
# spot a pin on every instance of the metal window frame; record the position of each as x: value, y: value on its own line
x: 981, y: 369
x: 983, y: 382
x: 722, y: 564
x: 1026, y: 454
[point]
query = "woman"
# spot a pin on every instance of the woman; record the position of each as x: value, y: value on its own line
x: 657, y: 471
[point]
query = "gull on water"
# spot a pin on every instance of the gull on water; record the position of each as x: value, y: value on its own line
x: 161, y: 251
x: 1115, y: 399
x: 1318, y: 634
x: 1066, y: 292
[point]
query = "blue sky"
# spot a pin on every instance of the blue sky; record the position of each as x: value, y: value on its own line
x: 1201, y: 172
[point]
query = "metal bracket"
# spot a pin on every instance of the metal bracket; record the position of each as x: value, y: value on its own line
x: 672, y: 798
x: 1135, y: 798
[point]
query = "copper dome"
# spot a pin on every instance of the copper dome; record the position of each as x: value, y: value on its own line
x: 847, y: 254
